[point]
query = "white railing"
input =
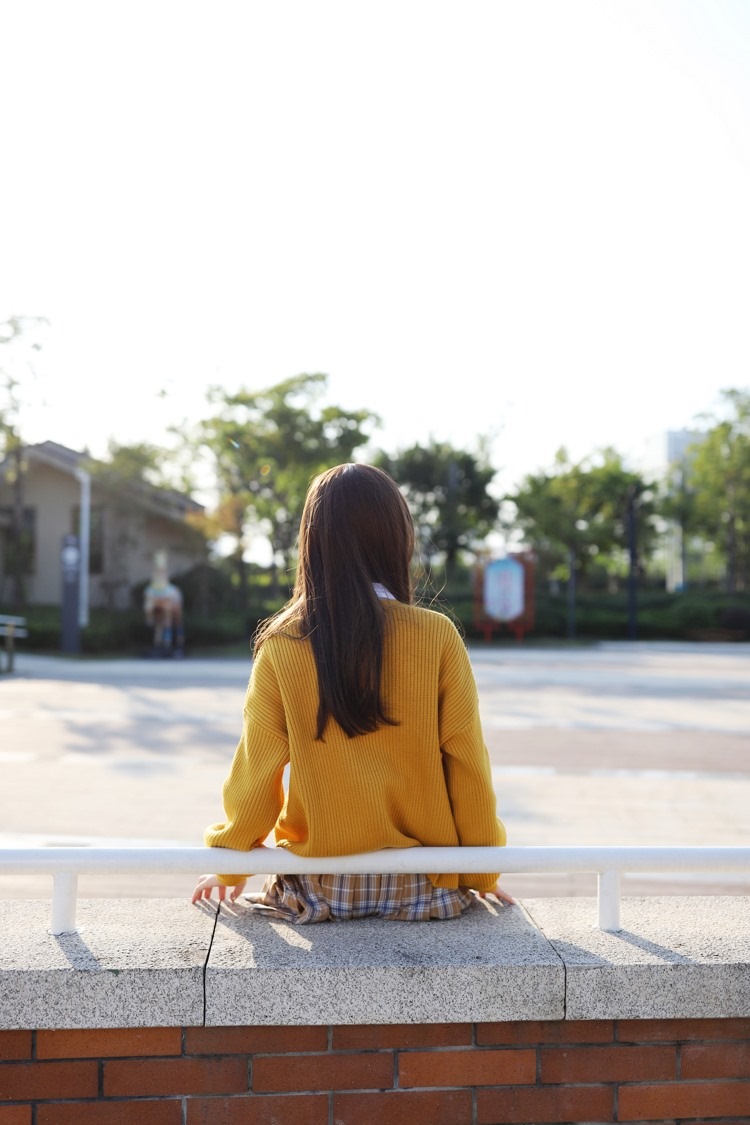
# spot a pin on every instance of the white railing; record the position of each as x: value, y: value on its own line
x: 608, y: 863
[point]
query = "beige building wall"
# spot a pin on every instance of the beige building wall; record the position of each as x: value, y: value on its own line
x: 52, y: 495
x: 130, y: 542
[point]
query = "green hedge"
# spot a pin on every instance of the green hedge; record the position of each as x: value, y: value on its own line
x: 661, y: 616
x: 125, y: 633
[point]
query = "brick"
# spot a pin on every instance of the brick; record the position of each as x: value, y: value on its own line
x: 259, y: 1109
x: 466, y: 1068
x: 531, y: 1032
x: 716, y: 1060
x: 323, y: 1072
x: 370, y: 1036
x: 140, y: 1077
x: 142, y: 1112
x: 15, y: 1115
x: 608, y: 1064
x: 15, y: 1045
x: 254, y: 1040
x: 404, y: 1107
x: 514, y: 1105
x: 688, y: 1099
x: 677, y: 1031
x: 37, y: 1081
x: 108, y: 1043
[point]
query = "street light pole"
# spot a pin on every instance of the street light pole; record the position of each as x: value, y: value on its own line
x: 84, y: 480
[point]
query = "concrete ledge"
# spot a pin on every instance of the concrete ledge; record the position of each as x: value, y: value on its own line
x: 490, y: 964
x: 674, y: 958
x: 143, y: 963
x: 133, y: 963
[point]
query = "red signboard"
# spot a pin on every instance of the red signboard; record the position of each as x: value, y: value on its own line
x: 504, y: 595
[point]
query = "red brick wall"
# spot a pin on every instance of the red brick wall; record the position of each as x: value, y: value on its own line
x: 435, y: 1074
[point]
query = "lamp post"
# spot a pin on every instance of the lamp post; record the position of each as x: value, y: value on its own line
x: 84, y: 480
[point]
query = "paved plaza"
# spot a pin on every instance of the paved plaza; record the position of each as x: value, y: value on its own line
x: 616, y: 743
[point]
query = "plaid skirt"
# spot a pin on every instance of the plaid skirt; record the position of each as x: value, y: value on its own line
x: 319, y: 898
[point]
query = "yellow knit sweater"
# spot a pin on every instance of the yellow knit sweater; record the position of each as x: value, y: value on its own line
x: 424, y: 782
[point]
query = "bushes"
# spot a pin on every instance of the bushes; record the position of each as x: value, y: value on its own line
x: 689, y: 615
x: 125, y: 632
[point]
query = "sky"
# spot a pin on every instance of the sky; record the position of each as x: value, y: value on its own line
x: 524, y: 220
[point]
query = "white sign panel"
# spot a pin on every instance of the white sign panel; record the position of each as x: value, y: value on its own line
x: 504, y: 589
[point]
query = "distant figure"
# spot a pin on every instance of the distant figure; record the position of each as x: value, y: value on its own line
x: 162, y: 605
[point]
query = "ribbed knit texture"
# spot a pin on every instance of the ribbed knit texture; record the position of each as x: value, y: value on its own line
x: 424, y: 782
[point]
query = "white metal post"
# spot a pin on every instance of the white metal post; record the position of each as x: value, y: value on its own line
x: 609, y: 901
x: 64, y: 893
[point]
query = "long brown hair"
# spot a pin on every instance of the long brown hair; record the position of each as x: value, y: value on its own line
x: 356, y: 529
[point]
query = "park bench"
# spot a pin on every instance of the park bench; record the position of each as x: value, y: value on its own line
x: 10, y: 628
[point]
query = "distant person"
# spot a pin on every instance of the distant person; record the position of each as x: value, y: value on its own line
x: 372, y: 703
x: 162, y: 608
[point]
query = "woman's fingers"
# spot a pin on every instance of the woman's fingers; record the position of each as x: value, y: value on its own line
x: 504, y: 896
x: 498, y: 892
x: 236, y: 891
x: 205, y: 886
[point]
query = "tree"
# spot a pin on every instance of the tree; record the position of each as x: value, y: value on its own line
x: 138, y: 464
x: 267, y: 446
x: 447, y: 490
x: 583, y: 511
x: 716, y: 501
x: 20, y: 335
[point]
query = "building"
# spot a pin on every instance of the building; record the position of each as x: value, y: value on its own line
x: 665, y: 460
x: 665, y: 451
x: 125, y: 522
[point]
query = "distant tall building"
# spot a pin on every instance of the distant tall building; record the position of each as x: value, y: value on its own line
x: 665, y: 451
x: 664, y: 458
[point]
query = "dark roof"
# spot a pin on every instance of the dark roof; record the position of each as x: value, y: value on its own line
x: 56, y: 454
x: 167, y: 501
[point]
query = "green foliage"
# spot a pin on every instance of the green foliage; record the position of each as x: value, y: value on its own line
x: 20, y: 335
x: 113, y: 633
x: 447, y: 490
x: 141, y: 463
x: 716, y: 494
x: 661, y: 616
x: 580, y: 511
x: 267, y: 446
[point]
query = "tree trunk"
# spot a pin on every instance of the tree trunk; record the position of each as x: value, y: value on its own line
x: 571, y: 593
x: 17, y: 536
x: 632, y: 570
x: 732, y: 554
x: 241, y: 567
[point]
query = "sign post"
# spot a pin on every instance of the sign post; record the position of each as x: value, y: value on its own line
x: 70, y: 560
x: 504, y: 582
x: 505, y: 596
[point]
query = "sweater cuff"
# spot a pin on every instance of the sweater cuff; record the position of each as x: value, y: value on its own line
x: 231, y: 880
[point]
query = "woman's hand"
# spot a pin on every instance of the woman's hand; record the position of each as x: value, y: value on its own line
x: 206, y: 884
x: 498, y: 892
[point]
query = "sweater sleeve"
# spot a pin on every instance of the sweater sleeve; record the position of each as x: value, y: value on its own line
x: 466, y: 762
x: 254, y: 791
